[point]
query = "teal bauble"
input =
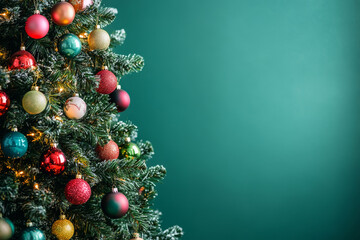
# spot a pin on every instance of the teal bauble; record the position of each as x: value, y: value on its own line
x: 69, y: 45
x: 14, y: 144
x: 130, y: 151
x: 32, y: 233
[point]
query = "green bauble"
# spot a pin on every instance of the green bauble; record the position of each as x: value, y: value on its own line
x: 34, y: 101
x: 130, y: 151
x: 32, y: 233
x: 6, y: 229
x: 69, y: 45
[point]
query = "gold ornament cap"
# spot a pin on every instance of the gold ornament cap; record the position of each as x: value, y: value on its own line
x: 97, y: 26
x: 114, y: 190
x: 14, y: 129
x: 105, y: 68
x: 22, y: 47
x: 37, y: 12
x: 136, y: 237
x: 62, y: 217
x: 127, y: 139
x: 29, y: 224
x: 78, y: 176
x: 35, y: 88
x: 118, y: 87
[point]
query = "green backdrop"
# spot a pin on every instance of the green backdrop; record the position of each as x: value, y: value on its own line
x: 254, y: 108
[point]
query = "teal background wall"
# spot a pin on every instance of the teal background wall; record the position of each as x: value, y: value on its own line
x: 254, y: 108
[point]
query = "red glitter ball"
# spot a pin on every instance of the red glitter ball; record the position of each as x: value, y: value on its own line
x: 77, y: 191
x: 108, y: 82
x: 109, y: 151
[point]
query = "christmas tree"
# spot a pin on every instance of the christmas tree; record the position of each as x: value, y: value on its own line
x: 69, y: 167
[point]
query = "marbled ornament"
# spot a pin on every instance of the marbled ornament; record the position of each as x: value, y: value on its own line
x: 75, y: 107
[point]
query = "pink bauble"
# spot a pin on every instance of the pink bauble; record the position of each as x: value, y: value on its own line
x: 77, y: 191
x: 37, y: 26
x: 109, y: 151
x: 121, y: 98
x: 108, y: 82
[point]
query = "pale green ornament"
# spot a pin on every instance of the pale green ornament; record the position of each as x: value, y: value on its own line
x: 34, y: 101
x: 99, y: 39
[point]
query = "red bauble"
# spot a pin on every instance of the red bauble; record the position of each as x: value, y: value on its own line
x: 108, y: 82
x: 4, y: 102
x: 37, y: 26
x: 22, y: 60
x: 77, y: 191
x: 80, y: 5
x: 63, y: 13
x: 121, y: 98
x: 53, y: 161
x: 109, y: 151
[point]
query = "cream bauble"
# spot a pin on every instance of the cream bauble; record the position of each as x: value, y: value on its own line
x: 34, y: 101
x: 99, y: 39
x: 136, y: 237
x: 75, y: 107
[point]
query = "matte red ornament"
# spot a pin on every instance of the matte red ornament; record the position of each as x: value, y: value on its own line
x: 37, y: 26
x: 4, y: 102
x: 108, y: 82
x: 77, y: 191
x: 81, y: 5
x: 22, y: 60
x: 63, y: 13
x: 121, y: 98
x: 109, y: 151
x: 53, y: 161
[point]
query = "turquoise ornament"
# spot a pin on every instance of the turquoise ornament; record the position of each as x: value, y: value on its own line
x: 69, y: 45
x: 32, y: 233
x: 14, y: 144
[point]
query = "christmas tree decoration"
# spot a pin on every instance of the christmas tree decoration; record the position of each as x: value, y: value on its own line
x: 34, y: 101
x: 77, y: 191
x: 114, y: 204
x: 109, y: 151
x: 21, y: 60
x: 7, y: 228
x: 75, y: 107
x: 108, y: 81
x: 37, y: 26
x: 4, y: 102
x: 121, y: 98
x: 63, y: 229
x: 80, y: 5
x: 63, y: 13
x: 14, y: 144
x: 32, y: 233
x: 99, y: 39
x: 130, y: 150
x: 69, y: 45
x: 136, y: 237
x: 53, y: 161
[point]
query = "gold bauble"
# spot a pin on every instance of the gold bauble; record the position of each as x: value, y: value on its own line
x: 99, y: 39
x: 63, y: 229
x: 136, y: 237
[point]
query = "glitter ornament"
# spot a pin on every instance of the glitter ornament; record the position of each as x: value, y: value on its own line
x: 22, y: 60
x: 37, y: 26
x: 69, y: 45
x: 75, y: 107
x: 63, y: 229
x: 121, y: 98
x: 80, y: 5
x: 99, y: 39
x: 109, y: 151
x: 63, y: 13
x: 53, y: 161
x: 136, y: 237
x: 32, y: 233
x: 108, y: 81
x: 7, y: 228
x: 77, y: 191
x: 4, y: 102
x: 14, y: 144
x: 34, y: 101
x: 114, y: 204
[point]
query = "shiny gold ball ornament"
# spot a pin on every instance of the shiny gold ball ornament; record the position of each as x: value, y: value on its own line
x: 63, y: 229
x: 99, y: 39
x: 63, y: 13
x: 34, y: 101
x: 136, y: 237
